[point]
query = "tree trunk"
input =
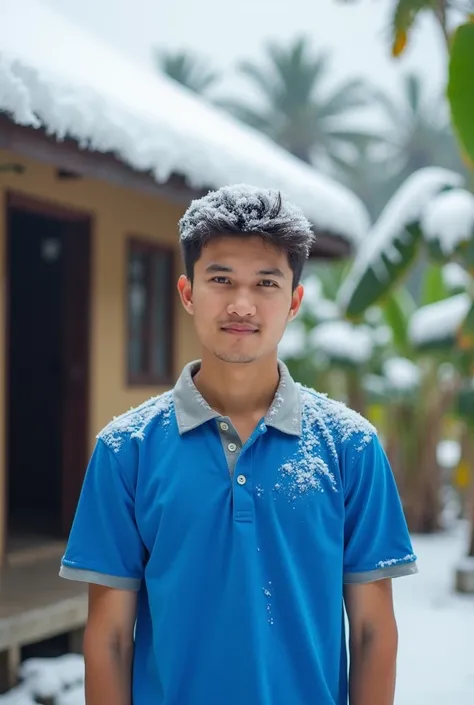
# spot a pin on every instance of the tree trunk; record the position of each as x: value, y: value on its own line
x: 355, y: 393
x: 423, y: 484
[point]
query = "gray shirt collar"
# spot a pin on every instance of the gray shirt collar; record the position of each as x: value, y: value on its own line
x: 192, y: 409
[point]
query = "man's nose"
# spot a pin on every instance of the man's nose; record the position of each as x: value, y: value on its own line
x: 242, y: 305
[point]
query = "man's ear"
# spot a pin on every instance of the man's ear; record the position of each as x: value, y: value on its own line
x: 296, y: 300
x: 185, y: 289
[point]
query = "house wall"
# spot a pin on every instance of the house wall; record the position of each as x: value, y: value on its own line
x: 117, y: 213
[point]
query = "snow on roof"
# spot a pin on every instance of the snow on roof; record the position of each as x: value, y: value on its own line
x: 438, y: 321
x: 54, y: 73
x: 449, y: 219
x: 406, y: 206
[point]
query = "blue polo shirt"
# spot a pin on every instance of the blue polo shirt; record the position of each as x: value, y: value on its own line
x: 239, y: 553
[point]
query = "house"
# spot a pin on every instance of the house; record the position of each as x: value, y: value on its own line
x: 99, y: 157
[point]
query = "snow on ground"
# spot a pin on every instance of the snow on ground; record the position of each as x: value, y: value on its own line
x: 436, y: 642
x: 436, y: 626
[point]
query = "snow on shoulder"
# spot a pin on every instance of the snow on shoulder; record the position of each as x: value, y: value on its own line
x: 336, y: 420
x: 134, y: 423
x: 56, y: 74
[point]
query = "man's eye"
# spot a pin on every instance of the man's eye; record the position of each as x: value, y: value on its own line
x: 220, y: 280
x: 267, y: 283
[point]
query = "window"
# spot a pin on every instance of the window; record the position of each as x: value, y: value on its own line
x: 150, y: 298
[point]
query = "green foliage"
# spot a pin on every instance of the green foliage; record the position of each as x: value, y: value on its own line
x: 406, y: 12
x: 433, y: 288
x: 397, y: 309
x: 371, y: 287
x: 187, y: 69
x: 461, y: 86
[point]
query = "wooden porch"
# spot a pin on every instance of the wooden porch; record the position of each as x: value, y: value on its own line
x: 35, y: 605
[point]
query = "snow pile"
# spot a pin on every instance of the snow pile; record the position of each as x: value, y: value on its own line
x: 401, y: 374
x: 340, y: 340
x: 438, y: 321
x: 60, y: 680
x: 455, y: 276
x: 449, y: 219
x: 406, y: 207
x: 54, y: 73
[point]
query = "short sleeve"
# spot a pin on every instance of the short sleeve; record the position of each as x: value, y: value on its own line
x: 104, y: 545
x: 377, y: 543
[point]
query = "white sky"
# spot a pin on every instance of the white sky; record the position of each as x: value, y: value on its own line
x: 355, y: 32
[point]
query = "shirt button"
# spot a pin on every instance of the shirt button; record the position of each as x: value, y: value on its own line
x: 224, y: 426
x: 241, y: 479
x: 232, y: 447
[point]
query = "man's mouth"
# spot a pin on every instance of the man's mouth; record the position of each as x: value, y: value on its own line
x: 239, y: 329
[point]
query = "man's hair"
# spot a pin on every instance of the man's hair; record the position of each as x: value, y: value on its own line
x: 240, y: 211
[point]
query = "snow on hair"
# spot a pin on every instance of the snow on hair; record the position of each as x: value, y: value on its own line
x: 246, y: 209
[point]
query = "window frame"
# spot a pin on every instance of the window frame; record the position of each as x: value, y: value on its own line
x: 143, y: 245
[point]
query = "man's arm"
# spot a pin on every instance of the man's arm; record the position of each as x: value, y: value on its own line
x: 373, y: 643
x: 108, y: 646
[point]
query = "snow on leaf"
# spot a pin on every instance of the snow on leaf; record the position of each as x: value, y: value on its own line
x: 293, y: 343
x: 403, y: 210
x: 344, y: 342
x: 455, y: 276
x: 439, y: 321
x: 85, y: 89
x: 448, y: 453
x: 402, y: 374
x: 449, y: 219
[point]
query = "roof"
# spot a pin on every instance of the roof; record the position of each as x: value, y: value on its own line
x: 55, y: 74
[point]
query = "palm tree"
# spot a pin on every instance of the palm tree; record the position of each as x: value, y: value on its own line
x: 297, y: 112
x: 419, y: 131
x: 187, y: 69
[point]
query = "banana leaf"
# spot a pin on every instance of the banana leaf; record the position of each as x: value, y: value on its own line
x: 436, y: 327
x: 464, y: 404
x: 393, y: 243
x: 397, y: 310
x: 461, y: 87
x: 448, y: 225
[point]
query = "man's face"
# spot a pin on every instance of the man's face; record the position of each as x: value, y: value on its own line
x: 241, y: 298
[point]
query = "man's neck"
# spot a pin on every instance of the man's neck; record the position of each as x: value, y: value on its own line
x: 238, y: 390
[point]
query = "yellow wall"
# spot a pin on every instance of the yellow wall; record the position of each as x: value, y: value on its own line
x: 117, y: 213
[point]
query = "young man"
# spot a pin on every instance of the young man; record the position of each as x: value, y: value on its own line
x: 223, y: 524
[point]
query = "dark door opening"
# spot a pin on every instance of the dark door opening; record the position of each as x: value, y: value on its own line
x: 48, y: 347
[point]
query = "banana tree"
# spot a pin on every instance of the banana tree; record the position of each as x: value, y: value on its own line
x: 325, y: 351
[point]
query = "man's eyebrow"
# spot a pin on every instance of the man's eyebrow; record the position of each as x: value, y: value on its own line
x: 215, y: 267
x: 269, y: 272
x: 272, y: 272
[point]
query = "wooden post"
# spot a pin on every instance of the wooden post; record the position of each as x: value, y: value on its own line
x: 76, y: 641
x: 9, y: 665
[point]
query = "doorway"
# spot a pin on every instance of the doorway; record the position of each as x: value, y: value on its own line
x: 48, y: 264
